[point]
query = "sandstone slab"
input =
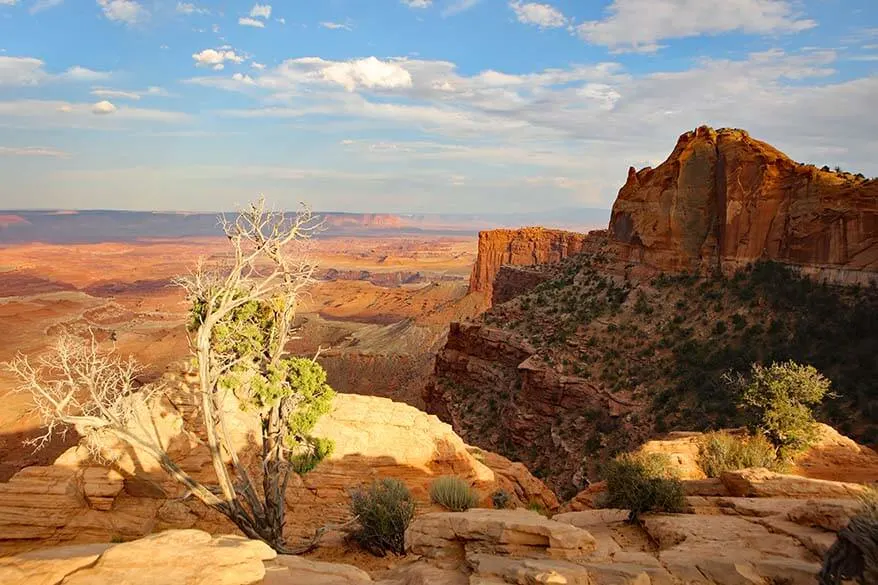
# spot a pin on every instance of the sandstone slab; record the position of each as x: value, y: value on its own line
x: 502, y: 532
x: 759, y: 482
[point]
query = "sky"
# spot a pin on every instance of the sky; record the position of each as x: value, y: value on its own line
x: 412, y: 105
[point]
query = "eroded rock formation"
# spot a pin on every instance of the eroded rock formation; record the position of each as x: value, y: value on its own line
x: 77, y: 500
x: 723, y: 199
x: 522, y: 247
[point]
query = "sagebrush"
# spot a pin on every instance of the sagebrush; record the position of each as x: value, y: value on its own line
x: 643, y: 482
x: 722, y: 451
x: 382, y: 513
x: 453, y: 493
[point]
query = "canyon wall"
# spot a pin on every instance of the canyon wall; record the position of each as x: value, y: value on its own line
x: 723, y: 200
x: 522, y: 247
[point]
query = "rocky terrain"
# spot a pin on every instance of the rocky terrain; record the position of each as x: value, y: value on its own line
x: 630, y: 338
x: 383, y: 327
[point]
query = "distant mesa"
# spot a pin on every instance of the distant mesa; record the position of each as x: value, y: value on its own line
x: 9, y: 220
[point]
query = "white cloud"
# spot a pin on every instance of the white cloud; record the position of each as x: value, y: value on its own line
x: 36, y: 151
x: 77, y: 73
x: 19, y: 71
x: 247, y: 21
x: 8, y: 2
x: 541, y: 15
x: 24, y: 71
x: 115, y: 94
x: 458, y: 6
x: 258, y: 66
x: 41, y: 5
x: 127, y: 11
x: 418, y: 3
x: 214, y: 57
x: 103, y: 108
x: 369, y: 73
x: 639, y: 25
x: 189, y: 8
x: 335, y: 25
x: 104, y: 92
x: 281, y: 20
x: 56, y: 113
x: 261, y: 11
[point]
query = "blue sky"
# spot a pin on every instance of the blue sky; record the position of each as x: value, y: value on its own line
x: 412, y: 105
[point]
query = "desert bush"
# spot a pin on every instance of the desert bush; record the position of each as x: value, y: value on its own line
x: 643, y: 482
x: 453, y: 493
x: 723, y: 451
x: 382, y: 513
x: 854, y: 555
x: 500, y: 499
x: 778, y: 401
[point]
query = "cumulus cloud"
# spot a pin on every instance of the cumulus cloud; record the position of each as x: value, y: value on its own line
x: 640, y: 25
x: 41, y: 5
x: 261, y: 11
x: 247, y: 21
x: 18, y: 71
x: 77, y: 73
x: 368, y: 73
x: 578, y: 123
x: 103, y: 108
x: 216, y: 58
x: 335, y: 25
x: 189, y: 8
x: 24, y: 71
x: 418, y: 3
x: 458, y: 6
x: 127, y: 11
x: 541, y: 15
x: 36, y: 151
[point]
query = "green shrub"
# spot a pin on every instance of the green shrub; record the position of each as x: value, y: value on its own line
x: 453, y: 493
x: 382, y: 511
x: 778, y: 400
x: 500, y: 499
x: 643, y: 482
x: 854, y: 555
x: 723, y: 451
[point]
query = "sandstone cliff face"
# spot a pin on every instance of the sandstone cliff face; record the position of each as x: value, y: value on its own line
x: 723, y: 199
x: 523, y: 247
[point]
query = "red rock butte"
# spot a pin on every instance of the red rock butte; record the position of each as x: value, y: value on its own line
x: 723, y: 199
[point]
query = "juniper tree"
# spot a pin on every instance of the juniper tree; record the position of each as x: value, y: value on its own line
x: 241, y: 319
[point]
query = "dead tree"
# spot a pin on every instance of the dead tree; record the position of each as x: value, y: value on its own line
x: 241, y: 319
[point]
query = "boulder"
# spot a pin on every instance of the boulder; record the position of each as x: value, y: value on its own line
x: 728, y: 550
x: 176, y: 557
x: 292, y: 570
x: 760, y: 482
x: 832, y: 515
x: 497, y: 532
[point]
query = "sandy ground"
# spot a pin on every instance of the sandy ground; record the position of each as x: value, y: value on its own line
x: 377, y: 338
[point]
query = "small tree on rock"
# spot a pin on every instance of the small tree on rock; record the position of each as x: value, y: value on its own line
x: 241, y: 319
x: 779, y: 401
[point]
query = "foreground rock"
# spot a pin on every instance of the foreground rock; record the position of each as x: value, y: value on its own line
x: 77, y: 501
x: 766, y: 484
x: 180, y: 557
x: 520, y: 533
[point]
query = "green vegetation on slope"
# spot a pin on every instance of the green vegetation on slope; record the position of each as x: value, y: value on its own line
x: 666, y: 344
